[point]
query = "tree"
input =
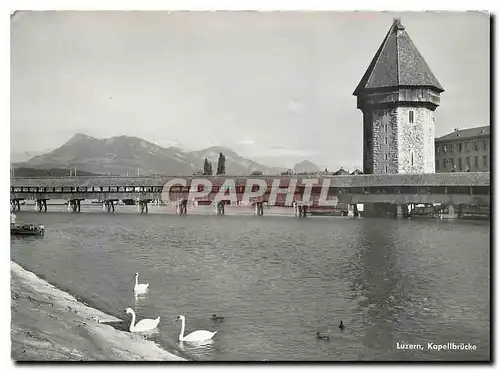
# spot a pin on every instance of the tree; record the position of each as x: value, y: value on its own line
x: 210, y: 171
x: 221, y: 165
x: 206, y: 167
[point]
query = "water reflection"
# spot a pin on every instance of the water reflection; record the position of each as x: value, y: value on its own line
x: 379, y: 285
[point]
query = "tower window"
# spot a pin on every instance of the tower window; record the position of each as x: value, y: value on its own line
x: 386, y: 169
x: 410, y: 117
x: 385, y: 156
x: 412, y: 159
x: 385, y: 140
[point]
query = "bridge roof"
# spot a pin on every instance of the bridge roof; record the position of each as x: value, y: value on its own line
x: 396, y: 63
x: 438, y: 179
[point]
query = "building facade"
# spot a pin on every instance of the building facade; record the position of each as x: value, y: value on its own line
x: 398, y: 95
x: 464, y: 150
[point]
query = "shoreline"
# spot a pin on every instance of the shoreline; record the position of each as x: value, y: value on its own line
x: 48, y: 324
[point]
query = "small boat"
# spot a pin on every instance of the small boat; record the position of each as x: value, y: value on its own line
x: 27, y: 230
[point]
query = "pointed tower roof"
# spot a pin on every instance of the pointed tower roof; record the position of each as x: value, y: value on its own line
x: 398, y: 63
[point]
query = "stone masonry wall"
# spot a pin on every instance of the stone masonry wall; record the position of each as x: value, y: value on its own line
x: 391, y: 142
x: 385, y: 141
x: 416, y: 140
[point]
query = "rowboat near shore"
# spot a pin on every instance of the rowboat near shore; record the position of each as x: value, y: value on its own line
x: 27, y: 230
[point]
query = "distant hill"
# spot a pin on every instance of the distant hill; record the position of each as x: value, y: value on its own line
x: 24, y: 156
x: 124, y: 154
x: 306, y: 167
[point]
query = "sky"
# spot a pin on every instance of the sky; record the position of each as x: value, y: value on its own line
x: 275, y: 87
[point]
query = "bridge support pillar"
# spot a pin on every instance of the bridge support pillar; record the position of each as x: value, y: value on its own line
x: 15, y: 205
x: 259, y: 208
x: 73, y: 205
x: 453, y: 212
x: 220, y: 208
x: 402, y: 211
x: 143, y: 206
x: 301, y: 211
x: 352, y: 211
x: 181, y: 207
x: 41, y: 205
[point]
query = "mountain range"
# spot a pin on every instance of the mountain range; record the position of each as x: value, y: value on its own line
x: 124, y: 154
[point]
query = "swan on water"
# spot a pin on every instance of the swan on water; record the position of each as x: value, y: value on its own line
x: 140, y: 288
x: 142, y: 325
x: 198, y: 335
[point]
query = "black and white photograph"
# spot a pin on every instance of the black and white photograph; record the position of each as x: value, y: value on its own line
x: 250, y: 185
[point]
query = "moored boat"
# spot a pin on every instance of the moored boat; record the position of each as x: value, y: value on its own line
x: 27, y: 230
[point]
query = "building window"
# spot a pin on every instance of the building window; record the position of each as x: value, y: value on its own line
x: 459, y: 147
x: 445, y: 149
x: 385, y: 155
x: 437, y: 150
x: 444, y: 164
x: 460, y: 164
x: 467, y: 163
x: 385, y: 140
x: 485, y: 161
x: 452, y: 147
x: 410, y: 117
x: 476, y: 146
x: 485, y: 147
x: 386, y: 169
x: 452, y: 163
x: 476, y: 162
x: 437, y: 164
x: 412, y: 159
x: 385, y: 127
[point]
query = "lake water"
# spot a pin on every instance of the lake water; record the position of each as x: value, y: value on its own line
x: 278, y: 280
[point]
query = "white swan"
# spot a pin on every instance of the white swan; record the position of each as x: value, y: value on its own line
x: 140, y: 288
x: 142, y: 325
x: 199, y: 335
